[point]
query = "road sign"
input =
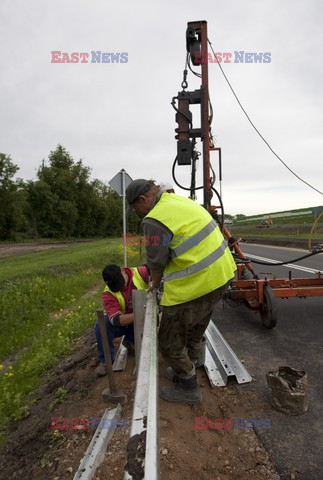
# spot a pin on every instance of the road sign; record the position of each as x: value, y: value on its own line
x: 116, y: 182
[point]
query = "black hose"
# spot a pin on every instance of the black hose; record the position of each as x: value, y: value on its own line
x: 222, y: 208
x: 174, y: 178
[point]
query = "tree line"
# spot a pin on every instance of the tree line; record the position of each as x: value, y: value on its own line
x: 63, y: 202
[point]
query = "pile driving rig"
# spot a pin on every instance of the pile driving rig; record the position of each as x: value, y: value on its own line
x: 258, y: 294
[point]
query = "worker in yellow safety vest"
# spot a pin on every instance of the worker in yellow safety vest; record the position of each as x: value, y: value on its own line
x: 185, y: 247
x: 117, y: 302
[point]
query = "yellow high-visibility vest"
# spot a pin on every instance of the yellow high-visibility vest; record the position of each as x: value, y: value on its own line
x: 138, y: 282
x: 200, y: 260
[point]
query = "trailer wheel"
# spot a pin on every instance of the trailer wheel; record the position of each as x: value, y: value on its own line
x: 268, y: 312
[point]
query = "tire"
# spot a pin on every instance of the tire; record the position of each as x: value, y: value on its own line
x: 268, y: 312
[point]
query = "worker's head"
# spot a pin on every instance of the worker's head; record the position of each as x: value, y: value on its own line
x: 115, y: 278
x: 140, y: 195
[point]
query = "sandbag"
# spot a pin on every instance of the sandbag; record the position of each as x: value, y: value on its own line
x: 289, y: 390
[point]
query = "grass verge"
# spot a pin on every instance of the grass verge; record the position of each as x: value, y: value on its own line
x: 44, y: 309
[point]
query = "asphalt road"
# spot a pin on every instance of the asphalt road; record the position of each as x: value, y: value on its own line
x: 294, y: 442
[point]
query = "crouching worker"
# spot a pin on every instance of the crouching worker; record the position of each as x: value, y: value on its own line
x: 117, y: 302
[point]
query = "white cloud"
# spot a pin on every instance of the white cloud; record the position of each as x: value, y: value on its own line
x: 119, y: 115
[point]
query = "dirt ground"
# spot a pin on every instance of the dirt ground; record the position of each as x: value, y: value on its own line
x: 36, y: 451
x: 10, y: 249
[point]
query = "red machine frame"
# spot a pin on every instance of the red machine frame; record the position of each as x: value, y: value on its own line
x: 258, y: 294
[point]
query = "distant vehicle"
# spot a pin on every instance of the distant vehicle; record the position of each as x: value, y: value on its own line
x: 227, y: 221
x: 264, y: 224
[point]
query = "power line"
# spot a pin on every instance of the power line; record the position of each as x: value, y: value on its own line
x: 253, y: 125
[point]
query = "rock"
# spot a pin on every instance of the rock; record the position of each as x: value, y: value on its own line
x: 69, y: 470
x: 227, y: 462
x: 164, y: 451
x: 220, y: 450
x: 258, y: 449
x: 93, y: 363
x: 262, y: 469
x: 251, y: 450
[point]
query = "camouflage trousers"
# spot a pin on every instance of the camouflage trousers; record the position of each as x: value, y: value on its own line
x: 181, y: 330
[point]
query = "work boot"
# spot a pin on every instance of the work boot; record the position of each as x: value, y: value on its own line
x: 101, y: 370
x: 129, y: 346
x: 172, y: 376
x: 185, y: 390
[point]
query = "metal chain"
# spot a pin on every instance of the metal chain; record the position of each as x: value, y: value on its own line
x: 184, y: 84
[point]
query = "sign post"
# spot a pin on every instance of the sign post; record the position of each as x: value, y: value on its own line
x: 124, y: 218
x: 119, y: 184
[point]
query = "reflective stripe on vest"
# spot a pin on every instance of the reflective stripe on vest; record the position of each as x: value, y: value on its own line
x: 201, y: 262
x: 138, y: 282
x: 197, y: 267
x: 194, y: 240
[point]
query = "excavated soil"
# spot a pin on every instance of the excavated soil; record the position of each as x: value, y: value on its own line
x: 35, y: 450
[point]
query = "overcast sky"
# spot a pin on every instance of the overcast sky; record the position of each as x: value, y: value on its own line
x: 118, y: 115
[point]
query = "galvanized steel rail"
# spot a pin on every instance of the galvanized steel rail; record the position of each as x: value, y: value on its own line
x: 144, y: 428
x: 220, y: 360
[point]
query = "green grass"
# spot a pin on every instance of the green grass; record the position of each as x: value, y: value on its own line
x: 279, y: 231
x: 265, y: 234
x: 43, y: 310
x: 51, y: 259
x: 281, y: 220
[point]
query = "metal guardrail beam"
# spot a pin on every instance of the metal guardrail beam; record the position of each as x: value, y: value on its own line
x: 143, y: 445
x: 95, y: 453
x: 120, y: 362
x: 152, y: 439
x: 220, y: 361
